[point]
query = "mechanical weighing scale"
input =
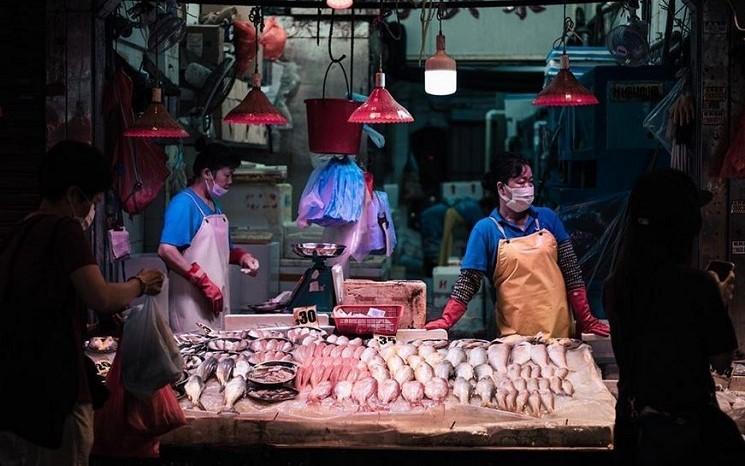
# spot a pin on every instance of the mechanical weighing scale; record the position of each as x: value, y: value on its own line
x: 316, y: 286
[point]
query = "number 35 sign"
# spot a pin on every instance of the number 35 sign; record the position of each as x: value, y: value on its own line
x: 305, y: 316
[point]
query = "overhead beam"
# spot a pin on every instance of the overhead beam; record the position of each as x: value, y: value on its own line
x: 401, y: 4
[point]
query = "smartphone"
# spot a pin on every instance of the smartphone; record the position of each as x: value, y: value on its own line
x: 721, y: 268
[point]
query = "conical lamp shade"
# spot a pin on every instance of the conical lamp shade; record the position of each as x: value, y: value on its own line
x: 156, y: 122
x: 255, y: 109
x: 564, y: 90
x: 339, y: 4
x: 380, y: 107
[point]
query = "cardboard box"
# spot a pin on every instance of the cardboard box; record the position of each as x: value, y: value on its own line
x: 245, y: 289
x: 452, y: 191
x: 412, y: 294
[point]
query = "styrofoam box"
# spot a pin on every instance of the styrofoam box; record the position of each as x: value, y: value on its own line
x: 452, y: 191
x: 259, y: 206
x: 245, y: 289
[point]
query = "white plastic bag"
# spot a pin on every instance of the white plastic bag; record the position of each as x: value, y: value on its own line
x: 149, y: 354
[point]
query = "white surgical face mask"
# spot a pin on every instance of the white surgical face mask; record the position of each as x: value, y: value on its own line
x: 215, y: 190
x: 519, y: 199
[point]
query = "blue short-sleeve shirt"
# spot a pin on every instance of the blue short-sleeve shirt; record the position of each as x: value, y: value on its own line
x: 184, y: 217
x: 483, y: 242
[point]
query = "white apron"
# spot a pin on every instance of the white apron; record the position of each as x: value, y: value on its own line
x: 210, y: 249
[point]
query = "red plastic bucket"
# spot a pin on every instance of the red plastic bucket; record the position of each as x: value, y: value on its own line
x: 329, y: 132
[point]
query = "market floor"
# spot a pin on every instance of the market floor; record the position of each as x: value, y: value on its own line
x: 266, y: 456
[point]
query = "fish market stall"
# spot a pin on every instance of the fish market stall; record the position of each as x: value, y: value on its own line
x: 305, y: 387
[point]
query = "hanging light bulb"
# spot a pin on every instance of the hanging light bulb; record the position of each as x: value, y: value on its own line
x: 156, y: 122
x: 564, y: 90
x: 339, y: 4
x: 440, y: 74
x: 255, y: 108
x: 380, y: 106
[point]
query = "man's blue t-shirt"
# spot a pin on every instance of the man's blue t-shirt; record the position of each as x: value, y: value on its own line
x: 183, y: 218
x: 483, y: 242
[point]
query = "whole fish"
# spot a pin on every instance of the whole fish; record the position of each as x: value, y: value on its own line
x: 443, y: 369
x: 436, y: 389
x: 388, y: 391
x: 423, y: 373
x: 483, y: 371
x: 234, y: 390
x: 413, y: 392
x: 194, y: 388
x: 521, y: 353
x: 539, y: 355
x: 207, y: 368
x: 456, y: 356
x: 224, y: 371
x: 464, y: 370
x: 242, y: 367
x: 485, y: 390
x: 343, y: 390
x: 557, y: 353
x: 498, y: 356
x: 462, y: 390
x: 404, y: 374
x: 477, y: 356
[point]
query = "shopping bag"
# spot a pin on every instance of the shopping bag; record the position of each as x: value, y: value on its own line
x: 150, y: 357
x: 156, y: 415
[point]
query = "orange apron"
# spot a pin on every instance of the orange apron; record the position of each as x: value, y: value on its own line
x: 530, y: 289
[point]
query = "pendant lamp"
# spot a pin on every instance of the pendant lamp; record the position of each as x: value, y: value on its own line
x: 564, y: 90
x: 156, y: 122
x: 380, y: 106
x: 339, y: 4
x: 255, y: 108
x: 440, y: 75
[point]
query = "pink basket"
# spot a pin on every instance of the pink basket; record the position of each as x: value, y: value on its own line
x: 362, y: 324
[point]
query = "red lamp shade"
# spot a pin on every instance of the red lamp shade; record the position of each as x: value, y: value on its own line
x: 564, y: 90
x: 255, y: 109
x: 380, y: 107
x: 339, y: 4
x: 156, y: 122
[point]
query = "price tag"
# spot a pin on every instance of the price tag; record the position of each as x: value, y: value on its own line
x: 385, y: 339
x: 305, y: 316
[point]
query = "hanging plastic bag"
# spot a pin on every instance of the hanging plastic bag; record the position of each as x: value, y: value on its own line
x: 332, y: 196
x: 273, y: 39
x: 658, y: 121
x: 380, y: 234
x: 353, y: 235
x: 734, y: 160
x: 156, y: 415
x: 150, y: 357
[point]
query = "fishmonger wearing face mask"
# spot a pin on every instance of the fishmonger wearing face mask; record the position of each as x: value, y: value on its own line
x: 529, y: 259
x: 195, y: 243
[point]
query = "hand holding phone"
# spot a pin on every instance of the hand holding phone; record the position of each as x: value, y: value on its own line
x: 723, y: 271
x: 721, y: 268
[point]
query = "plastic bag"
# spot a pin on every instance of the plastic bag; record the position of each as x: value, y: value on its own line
x: 352, y: 235
x: 734, y: 160
x: 157, y: 415
x: 658, y: 120
x: 150, y: 357
x: 332, y: 196
x: 380, y: 232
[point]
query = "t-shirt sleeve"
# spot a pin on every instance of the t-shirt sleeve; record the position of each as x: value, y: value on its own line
x: 178, y: 225
x: 718, y: 332
x: 555, y: 225
x: 72, y: 246
x: 479, y: 250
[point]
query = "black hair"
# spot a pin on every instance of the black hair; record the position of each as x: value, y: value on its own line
x: 503, y: 167
x: 73, y: 163
x: 214, y: 156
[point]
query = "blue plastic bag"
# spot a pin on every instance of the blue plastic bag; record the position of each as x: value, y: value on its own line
x: 333, y: 195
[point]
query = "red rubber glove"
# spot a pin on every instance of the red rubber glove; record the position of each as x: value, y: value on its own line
x: 452, y: 312
x: 586, y: 322
x: 199, y: 278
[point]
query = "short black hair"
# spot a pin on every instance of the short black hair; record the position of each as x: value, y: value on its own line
x: 214, y: 156
x: 73, y: 163
x: 503, y: 167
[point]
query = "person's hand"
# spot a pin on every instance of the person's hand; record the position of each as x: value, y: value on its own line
x: 726, y: 287
x: 249, y: 264
x: 152, y: 281
x: 209, y: 289
x: 452, y: 312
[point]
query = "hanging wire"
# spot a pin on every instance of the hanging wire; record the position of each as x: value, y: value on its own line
x: 257, y: 18
x: 335, y: 61
x: 425, y: 18
x: 351, y: 58
x: 567, y: 32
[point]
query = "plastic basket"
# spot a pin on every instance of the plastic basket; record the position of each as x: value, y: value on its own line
x: 362, y: 324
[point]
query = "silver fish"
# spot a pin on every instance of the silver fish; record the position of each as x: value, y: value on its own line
x: 521, y: 353
x: 436, y: 389
x: 194, y: 387
x: 443, y: 369
x: 234, y: 390
x: 477, y: 356
x: 224, y: 371
x: 207, y: 368
x: 242, y: 367
x: 485, y: 390
x: 464, y: 370
x: 388, y: 391
x: 462, y: 390
x: 456, y: 356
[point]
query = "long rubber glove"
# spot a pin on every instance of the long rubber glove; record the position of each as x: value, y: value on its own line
x: 587, y: 322
x: 452, y: 312
x: 199, y: 278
